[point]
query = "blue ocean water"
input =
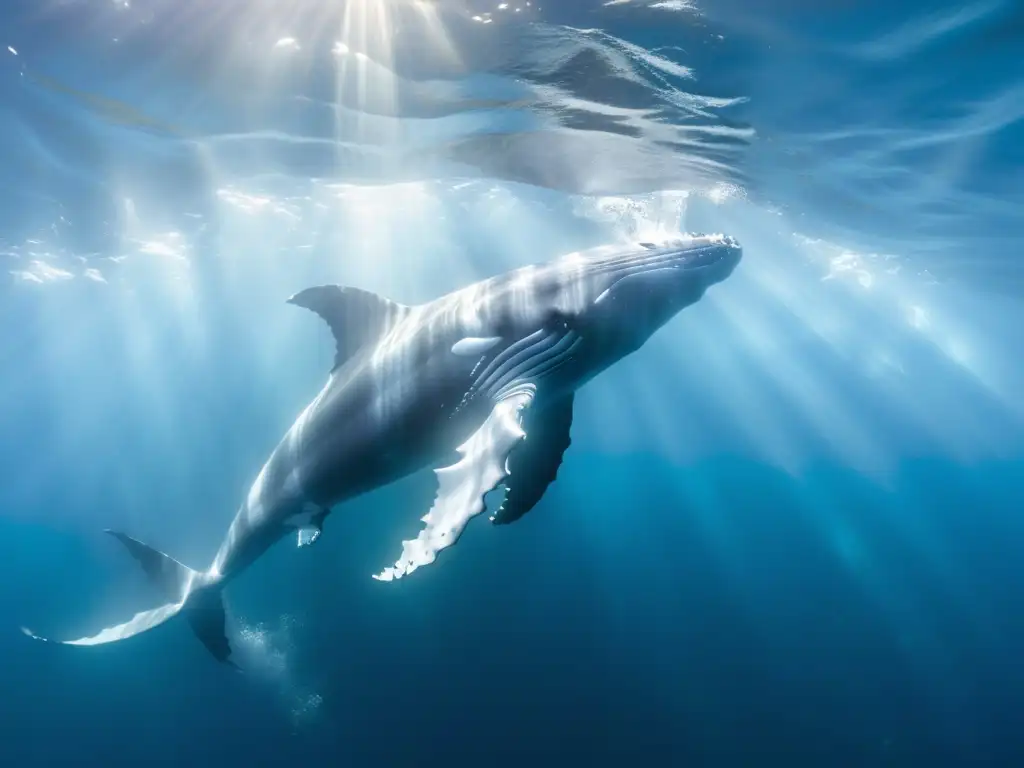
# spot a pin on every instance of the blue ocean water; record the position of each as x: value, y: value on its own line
x: 788, y: 529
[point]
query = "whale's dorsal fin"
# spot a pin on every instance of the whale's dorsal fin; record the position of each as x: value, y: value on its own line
x: 356, y: 317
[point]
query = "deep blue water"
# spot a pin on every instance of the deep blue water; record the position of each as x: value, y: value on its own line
x: 788, y: 530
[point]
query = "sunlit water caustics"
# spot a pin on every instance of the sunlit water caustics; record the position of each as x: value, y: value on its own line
x: 787, y: 529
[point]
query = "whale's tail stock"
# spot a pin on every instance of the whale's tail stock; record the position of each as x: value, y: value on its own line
x: 188, y: 592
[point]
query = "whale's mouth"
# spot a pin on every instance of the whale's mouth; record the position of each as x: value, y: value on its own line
x: 695, y: 253
x: 645, y: 288
x: 704, y: 259
x: 724, y: 252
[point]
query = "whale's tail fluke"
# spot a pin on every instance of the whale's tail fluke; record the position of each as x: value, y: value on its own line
x: 188, y: 592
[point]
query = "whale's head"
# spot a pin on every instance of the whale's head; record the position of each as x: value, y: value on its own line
x: 571, y: 318
x: 624, y: 296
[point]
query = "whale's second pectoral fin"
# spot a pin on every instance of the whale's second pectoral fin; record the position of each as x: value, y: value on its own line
x: 308, y: 534
x: 462, y: 486
x: 309, y: 524
x: 534, y: 464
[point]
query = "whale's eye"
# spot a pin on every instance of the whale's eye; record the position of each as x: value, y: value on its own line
x: 557, y: 320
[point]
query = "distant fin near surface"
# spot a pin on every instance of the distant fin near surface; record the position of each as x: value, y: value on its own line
x: 201, y: 604
x: 356, y: 317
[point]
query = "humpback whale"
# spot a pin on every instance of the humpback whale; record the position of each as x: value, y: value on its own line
x: 488, y: 372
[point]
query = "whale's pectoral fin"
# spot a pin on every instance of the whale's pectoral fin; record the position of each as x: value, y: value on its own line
x: 309, y: 524
x: 308, y: 534
x: 463, y: 486
x: 356, y: 317
x: 534, y: 464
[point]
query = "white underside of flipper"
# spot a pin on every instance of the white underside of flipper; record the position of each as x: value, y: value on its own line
x: 462, y: 486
